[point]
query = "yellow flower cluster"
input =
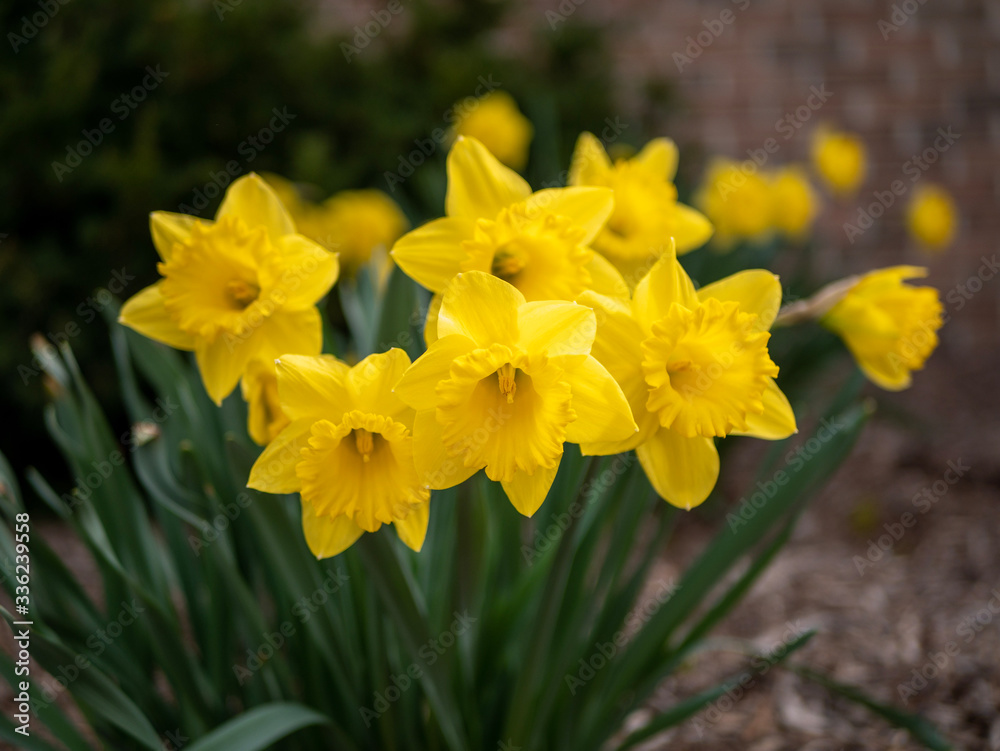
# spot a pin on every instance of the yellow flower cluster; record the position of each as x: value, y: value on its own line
x: 745, y: 202
x: 561, y: 315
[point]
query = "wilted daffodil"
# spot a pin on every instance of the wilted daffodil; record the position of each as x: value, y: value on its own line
x: 348, y: 451
x: 793, y: 200
x: 931, y: 217
x: 737, y: 201
x: 694, y: 366
x: 840, y: 159
x: 496, y: 122
x: 505, y: 385
x: 536, y: 241
x: 354, y: 223
x: 646, y: 213
x: 240, y: 288
x: 259, y: 386
x: 890, y: 327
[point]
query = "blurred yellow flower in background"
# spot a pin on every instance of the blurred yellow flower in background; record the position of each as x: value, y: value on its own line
x: 243, y: 287
x: 357, y: 224
x: 694, y: 365
x: 498, y: 124
x: 505, y: 385
x: 737, y: 201
x: 840, y: 158
x: 932, y: 217
x: 646, y: 213
x: 259, y: 387
x: 890, y: 327
x: 794, y: 202
x: 348, y: 451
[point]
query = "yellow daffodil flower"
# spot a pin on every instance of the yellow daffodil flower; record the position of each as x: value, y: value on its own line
x: 646, y: 213
x: 932, y: 217
x: 348, y: 451
x: 737, y: 201
x: 890, y: 327
x: 495, y: 121
x: 260, y: 391
x: 505, y: 385
x: 357, y: 224
x: 694, y: 366
x: 840, y: 159
x: 794, y: 202
x: 539, y: 242
x: 236, y: 289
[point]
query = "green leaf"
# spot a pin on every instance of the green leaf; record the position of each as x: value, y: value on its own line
x: 259, y: 727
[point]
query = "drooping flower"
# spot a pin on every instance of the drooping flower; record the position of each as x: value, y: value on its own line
x: 505, y: 385
x: 357, y: 224
x: 737, y: 200
x: 646, y: 213
x: 495, y: 121
x: 932, y: 217
x: 538, y: 242
x: 236, y: 289
x: 890, y: 327
x: 794, y: 202
x: 841, y: 160
x: 348, y: 451
x: 259, y: 387
x: 694, y: 366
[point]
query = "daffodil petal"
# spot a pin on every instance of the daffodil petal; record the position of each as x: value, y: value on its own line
x: 478, y: 184
x: 527, y: 492
x: 144, y: 312
x: 255, y: 202
x: 590, y: 163
x: 665, y: 284
x: 606, y: 279
x: 777, y: 420
x: 659, y: 158
x: 431, y: 322
x: 417, y: 384
x: 274, y: 470
x: 168, y: 229
x: 556, y: 328
x: 756, y: 291
x: 222, y: 363
x: 482, y: 307
x: 313, y: 387
x: 682, y: 470
x: 328, y: 536
x: 433, y: 254
x: 371, y: 382
x: 602, y: 412
x: 412, y: 529
x: 692, y: 229
x: 308, y: 271
x: 587, y: 207
x: 290, y: 332
x: 436, y: 468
